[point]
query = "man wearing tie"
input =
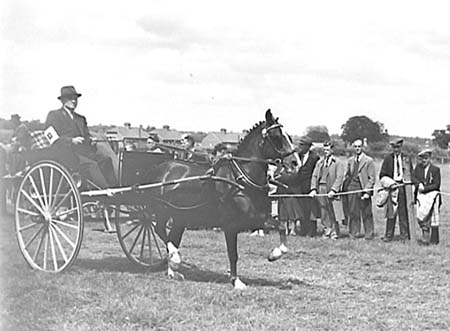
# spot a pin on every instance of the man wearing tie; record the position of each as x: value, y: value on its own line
x: 360, y: 177
x: 73, y: 133
x: 327, y: 180
x: 398, y: 167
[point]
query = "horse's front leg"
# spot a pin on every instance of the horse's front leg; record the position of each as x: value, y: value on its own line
x: 174, y: 257
x: 279, y: 251
x: 231, y: 239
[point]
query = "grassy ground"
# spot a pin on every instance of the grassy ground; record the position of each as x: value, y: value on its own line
x: 320, y: 285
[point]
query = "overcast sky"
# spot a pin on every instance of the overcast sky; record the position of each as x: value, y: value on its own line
x: 220, y: 64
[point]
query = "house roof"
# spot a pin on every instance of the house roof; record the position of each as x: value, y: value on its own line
x: 214, y: 138
x: 167, y: 134
x: 126, y: 132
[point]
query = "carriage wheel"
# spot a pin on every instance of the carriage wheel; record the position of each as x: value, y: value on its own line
x: 139, y: 240
x: 49, y: 217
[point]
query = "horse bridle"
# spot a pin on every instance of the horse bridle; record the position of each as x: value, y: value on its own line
x: 266, y: 137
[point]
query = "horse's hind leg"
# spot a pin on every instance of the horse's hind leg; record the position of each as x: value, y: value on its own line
x: 231, y: 239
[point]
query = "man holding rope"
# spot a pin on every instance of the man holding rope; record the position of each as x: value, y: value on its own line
x: 398, y: 167
x: 326, y: 181
x: 360, y: 177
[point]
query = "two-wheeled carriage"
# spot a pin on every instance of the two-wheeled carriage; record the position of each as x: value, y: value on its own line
x: 51, y: 204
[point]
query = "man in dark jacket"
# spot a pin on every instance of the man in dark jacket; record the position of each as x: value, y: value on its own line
x: 73, y: 133
x: 427, y: 181
x: 398, y: 167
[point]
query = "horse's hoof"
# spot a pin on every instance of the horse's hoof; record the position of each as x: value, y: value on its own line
x: 238, y: 284
x: 275, y: 254
x: 174, y: 260
x: 174, y: 275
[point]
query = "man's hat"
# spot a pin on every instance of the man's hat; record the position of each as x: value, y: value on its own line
x: 68, y: 92
x: 396, y: 142
x: 328, y: 143
x: 425, y: 152
x: 305, y: 140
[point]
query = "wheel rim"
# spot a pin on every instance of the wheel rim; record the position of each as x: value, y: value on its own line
x: 48, y: 218
x: 139, y: 240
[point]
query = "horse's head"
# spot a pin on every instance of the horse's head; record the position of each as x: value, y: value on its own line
x: 276, y: 143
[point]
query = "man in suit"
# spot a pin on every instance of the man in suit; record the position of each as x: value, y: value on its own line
x: 73, y: 134
x: 360, y: 176
x: 398, y: 167
x: 427, y: 181
x: 327, y: 179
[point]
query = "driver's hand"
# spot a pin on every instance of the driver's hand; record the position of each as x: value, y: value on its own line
x: 77, y: 140
x: 313, y: 193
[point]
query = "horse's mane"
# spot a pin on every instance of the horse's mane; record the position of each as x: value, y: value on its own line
x: 255, y: 127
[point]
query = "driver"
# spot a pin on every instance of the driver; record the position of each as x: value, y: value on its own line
x: 73, y: 133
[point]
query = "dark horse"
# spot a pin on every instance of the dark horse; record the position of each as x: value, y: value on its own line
x: 240, y: 204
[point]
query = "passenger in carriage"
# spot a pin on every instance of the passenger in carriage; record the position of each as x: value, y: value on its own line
x: 73, y: 133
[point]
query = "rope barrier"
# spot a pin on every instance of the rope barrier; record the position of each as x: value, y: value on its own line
x: 298, y: 195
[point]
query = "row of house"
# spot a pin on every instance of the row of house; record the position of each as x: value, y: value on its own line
x: 170, y: 136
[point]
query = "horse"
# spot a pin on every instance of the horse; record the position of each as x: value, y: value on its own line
x: 239, y: 202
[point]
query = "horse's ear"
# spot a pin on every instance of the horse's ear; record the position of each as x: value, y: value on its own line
x: 269, y: 117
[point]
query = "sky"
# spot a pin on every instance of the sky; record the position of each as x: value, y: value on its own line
x: 207, y: 65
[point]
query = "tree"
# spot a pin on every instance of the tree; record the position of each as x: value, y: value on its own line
x: 318, y: 133
x: 442, y: 137
x: 359, y: 127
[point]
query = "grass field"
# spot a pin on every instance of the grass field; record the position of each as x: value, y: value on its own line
x: 320, y: 285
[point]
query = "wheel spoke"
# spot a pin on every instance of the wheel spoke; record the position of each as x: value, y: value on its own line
x: 149, y: 245
x: 45, y: 249
x: 143, y: 243
x: 33, y: 183
x: 156, y: 241
x: 26, y: 211
x: 38, y: 248
x: 132, y: 229
x: 33, y: 237
x: 50, y: 187
x: 58, y: 189
x: 62, y: 200
x: 32, y: 202
x: 67, y: 212
x: 136, y: 239
x: 58, y: 243
x: 65, y: 224
x: 66, y: 238
x: 44, y: 191
x: 27, y: 226
x: 52, y: 247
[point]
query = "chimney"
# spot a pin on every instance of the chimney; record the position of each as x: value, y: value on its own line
x: 223, y: 130
x: 166, y: 127
x: 127, y: 125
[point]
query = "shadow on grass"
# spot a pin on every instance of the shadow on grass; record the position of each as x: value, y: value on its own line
x: 190, y: 271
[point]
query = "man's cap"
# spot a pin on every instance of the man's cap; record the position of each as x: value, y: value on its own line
x: 396, y: 142
x: 68, y: 92
x: 425, y: 152
x: 328, y: 143
x: 305, y: 140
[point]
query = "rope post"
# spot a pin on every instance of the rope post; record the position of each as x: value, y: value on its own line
x: 410, y: 207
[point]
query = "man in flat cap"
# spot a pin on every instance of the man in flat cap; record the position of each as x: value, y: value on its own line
x: 398, y: 167
x: 360, y: 177
x: 327, y: 180
x: 427, y: 181
x: 73, y: 133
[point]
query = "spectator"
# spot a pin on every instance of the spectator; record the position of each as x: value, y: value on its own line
x: 327, y: 179
x: 398, y: 167
x: 427, y: 182
x: 360, y: 176
x: 308, y: 160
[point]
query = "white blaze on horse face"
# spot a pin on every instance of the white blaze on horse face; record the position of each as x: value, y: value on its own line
x: 293, y: 158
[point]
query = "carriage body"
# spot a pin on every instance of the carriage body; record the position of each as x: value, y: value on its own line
x: 50, y: 207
